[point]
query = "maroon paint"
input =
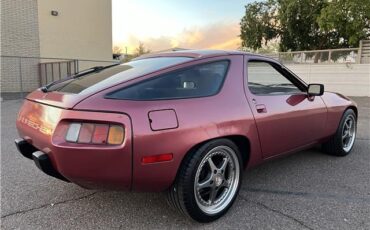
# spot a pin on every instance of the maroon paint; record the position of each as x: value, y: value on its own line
x: 273, y: 125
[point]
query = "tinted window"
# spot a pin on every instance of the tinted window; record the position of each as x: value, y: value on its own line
x: 196, y: 81
x: 263, y: 78
x: 116, y: 74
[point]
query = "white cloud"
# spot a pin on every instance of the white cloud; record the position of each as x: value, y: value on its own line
x: 213, y: 36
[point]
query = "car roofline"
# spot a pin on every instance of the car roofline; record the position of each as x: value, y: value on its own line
x: 196, y: 54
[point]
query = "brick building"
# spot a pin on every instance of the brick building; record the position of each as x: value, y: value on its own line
x: 39, y: 29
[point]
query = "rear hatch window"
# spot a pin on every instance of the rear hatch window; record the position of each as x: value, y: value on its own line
x: 100, y: 80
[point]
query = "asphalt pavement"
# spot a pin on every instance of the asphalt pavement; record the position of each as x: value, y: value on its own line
x: 307, y: 190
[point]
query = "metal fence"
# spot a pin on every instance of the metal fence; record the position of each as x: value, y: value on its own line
x: 330, y: 56
x: 21, y: 75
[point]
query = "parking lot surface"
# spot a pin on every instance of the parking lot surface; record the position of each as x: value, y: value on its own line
x: 307, y: 190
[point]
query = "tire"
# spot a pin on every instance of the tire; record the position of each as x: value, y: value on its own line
x: 342, y: 142
x: 205, y: 192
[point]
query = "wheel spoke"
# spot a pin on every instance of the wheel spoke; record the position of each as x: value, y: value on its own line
x: 350, y: 124
x: 224, y: 164
x: 213, y: 194
x: 211, y: 164
x: 205, y: 184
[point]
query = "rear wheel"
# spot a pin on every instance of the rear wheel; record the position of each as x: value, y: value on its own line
x: 343, y: 140
x: 208, y: 181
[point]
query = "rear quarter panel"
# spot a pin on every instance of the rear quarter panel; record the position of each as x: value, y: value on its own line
x: 90, y: 166
x: 199, y: 120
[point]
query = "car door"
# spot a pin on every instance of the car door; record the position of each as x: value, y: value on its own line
x: 286, y: 117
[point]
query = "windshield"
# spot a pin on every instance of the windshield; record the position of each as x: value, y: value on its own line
x: 116, y: 74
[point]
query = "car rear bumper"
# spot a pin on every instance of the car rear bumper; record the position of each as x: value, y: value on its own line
x: 42, y: 129
x: 41, y: 159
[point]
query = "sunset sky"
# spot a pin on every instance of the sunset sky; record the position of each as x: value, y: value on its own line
x: 212, y: 24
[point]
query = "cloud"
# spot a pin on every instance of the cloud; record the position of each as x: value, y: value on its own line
x: 213, y: 36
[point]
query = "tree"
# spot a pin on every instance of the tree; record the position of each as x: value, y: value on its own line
x: 117, y: 50
x: 299, y: 29
x: 350, y: 19
x: 305, y: 24
x: 140, y: 50
x: 259, y: 25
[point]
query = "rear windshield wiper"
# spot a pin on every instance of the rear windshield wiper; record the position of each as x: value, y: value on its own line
x: 94, y: 69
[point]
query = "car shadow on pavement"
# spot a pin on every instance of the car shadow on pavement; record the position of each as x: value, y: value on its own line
x: 300, y: 176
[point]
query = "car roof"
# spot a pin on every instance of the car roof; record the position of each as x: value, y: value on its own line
x: 194, y: 53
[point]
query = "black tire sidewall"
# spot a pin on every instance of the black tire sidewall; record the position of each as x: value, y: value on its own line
x: 338, y: 135
x: 187, y: 180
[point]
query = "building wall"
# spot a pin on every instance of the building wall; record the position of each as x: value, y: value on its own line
x: 347, y: 79
x: 19, y: 37
x: 19, y: 28
x: 82, y: 29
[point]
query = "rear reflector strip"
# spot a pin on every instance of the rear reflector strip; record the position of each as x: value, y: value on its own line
x: 157, y: 158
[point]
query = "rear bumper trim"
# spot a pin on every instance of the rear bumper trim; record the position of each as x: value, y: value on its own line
x: 25, y: 148
x: 41, y: 159
x: 43, y: 162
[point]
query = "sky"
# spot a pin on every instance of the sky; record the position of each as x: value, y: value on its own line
x: 160, y: 24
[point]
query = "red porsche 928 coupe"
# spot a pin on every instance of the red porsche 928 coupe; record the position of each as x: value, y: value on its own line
x: 186, y: 122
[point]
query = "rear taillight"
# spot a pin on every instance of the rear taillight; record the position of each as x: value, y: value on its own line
x: 90, y: 133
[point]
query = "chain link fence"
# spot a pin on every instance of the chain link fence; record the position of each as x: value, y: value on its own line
x: 21, y: 75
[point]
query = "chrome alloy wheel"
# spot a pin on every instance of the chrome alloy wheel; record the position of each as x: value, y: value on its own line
x: 217, y: 180
x: 348, y: 133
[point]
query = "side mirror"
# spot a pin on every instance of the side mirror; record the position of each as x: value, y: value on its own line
x: 315, y: 89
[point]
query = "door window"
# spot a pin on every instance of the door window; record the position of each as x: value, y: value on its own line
x: 265, y: 79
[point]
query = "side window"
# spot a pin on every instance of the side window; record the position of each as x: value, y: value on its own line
x: 263, y: 78
x: 197, y: 81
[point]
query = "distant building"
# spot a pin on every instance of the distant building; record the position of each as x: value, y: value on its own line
x: 79, y: 29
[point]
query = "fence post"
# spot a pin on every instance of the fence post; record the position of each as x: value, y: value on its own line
x: 76, y: 67
x: 20, y: 77
x: 60, y: 71
x: 301, y: 57
x: 52, y: 72
x: 329, y: 58
x: 359, y: 53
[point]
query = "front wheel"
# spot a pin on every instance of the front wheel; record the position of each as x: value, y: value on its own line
x: 208, y: 181
x: 343, y: 140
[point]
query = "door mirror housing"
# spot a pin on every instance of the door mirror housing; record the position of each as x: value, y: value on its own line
x: 315, y: 89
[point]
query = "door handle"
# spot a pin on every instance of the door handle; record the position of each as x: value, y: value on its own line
x: 261, y: 108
